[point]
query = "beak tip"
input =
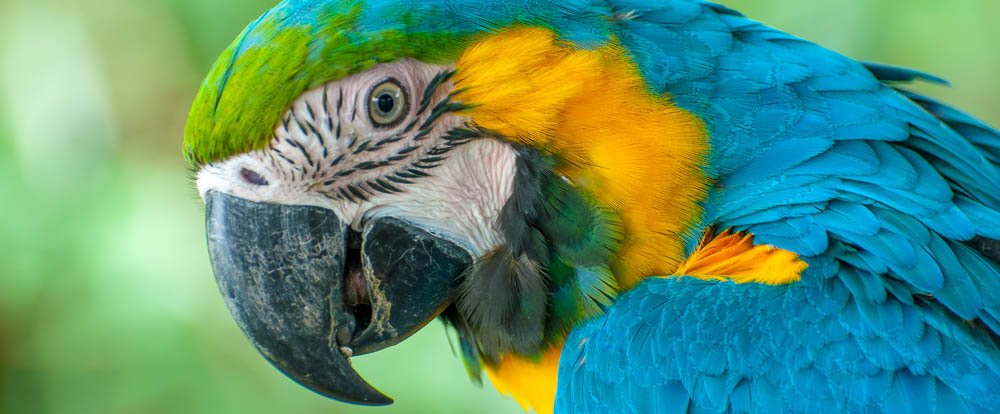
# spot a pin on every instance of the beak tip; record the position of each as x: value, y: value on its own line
x: 369, y: 396
x: 326, y: 373
x: 376, y: 399
x: 332, y: 378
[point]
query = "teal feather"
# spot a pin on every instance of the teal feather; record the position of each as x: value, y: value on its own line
x: 879, y: 189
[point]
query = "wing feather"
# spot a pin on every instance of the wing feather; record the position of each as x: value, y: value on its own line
x: 884, y: 192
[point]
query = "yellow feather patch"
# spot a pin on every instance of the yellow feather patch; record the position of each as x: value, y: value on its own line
x: 733, y: 256
x: 634, y: 151
x: 726, y: 256
x: 531, y: 382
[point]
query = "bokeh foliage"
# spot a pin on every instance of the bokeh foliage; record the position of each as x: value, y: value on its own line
x: 107, y: 302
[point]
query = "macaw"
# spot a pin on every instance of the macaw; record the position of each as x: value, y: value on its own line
x: 619, y: 206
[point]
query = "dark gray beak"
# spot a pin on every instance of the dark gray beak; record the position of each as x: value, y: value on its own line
x: 309, y: 293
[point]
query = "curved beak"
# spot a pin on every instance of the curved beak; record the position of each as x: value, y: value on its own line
x: 309, y: 293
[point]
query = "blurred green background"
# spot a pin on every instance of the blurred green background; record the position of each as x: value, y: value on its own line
x: 107, y: 301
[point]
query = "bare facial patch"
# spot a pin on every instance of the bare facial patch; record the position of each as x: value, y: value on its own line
x: 332, y: 137
x: 385, y: 141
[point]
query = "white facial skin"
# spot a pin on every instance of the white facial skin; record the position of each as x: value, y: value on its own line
x: 329, y: 152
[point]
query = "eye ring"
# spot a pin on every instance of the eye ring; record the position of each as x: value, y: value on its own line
x: 388, y: 103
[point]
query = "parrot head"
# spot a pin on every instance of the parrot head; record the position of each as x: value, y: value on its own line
x: 369, y: 166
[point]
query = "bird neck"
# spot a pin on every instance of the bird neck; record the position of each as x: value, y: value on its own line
x: 637, y: 153
x: 634, y: 157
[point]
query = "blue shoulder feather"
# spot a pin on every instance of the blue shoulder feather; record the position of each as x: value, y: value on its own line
x: 879, y: 189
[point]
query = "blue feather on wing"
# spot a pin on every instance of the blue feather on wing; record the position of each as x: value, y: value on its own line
x: 878, y: 188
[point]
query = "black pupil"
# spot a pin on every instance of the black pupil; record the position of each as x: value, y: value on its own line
x: 385, y: 103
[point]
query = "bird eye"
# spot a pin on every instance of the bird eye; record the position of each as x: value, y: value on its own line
x: 387, y: 103
x: 252, y: 177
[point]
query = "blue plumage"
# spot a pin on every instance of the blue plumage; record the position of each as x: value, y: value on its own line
x: 878, y: 188
x: 882, y: 191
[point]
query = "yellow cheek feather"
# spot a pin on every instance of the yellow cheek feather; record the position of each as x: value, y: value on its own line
x: 634, y: 151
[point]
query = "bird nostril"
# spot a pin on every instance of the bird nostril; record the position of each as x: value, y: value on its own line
x: 252, y: 177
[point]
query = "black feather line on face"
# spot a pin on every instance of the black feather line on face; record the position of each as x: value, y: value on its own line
x: 283, y: 157
x: 337, y: 160
x: 432, y: 87
x: 399, y: 180
x: 362, y: 147
x: 356, y: 192
x: 309, y: 125
x: 319, y: 137
x: 390, y: 140
x: 430, y: 160
x: 327, y: 119
x: 302, y: 149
